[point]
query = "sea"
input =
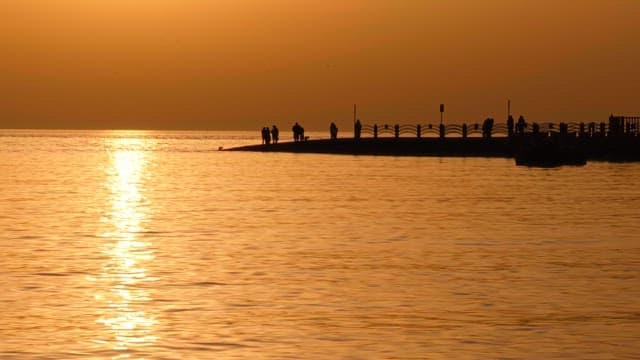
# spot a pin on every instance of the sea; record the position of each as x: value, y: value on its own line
x: 156, y: 245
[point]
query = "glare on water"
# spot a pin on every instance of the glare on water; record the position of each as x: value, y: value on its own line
x: 120, y: 287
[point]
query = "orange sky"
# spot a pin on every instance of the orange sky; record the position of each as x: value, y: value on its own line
x: 241, y: 64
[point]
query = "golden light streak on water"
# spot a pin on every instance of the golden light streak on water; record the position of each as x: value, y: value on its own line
x: 125, y: 300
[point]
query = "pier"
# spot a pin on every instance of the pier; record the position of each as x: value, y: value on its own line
x: 618, y: 139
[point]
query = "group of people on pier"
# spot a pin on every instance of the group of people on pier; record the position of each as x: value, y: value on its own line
x: 270, y: 135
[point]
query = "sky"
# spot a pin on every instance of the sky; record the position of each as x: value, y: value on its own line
x: 244, y: 64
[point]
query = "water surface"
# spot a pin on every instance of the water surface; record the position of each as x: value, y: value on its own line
x: 155, y: 245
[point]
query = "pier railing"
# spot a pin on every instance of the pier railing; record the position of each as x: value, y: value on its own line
x: 616, y: 126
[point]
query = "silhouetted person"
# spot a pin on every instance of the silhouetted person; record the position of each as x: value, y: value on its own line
x: 302, y: 138
x: 267, y: 135
x: 487, y: 128
x: 357, y: 129
x: 333, y: 130
x: 521, y: 125
x: 264, y: 136
x: 275, y: 134
x: 298, y: 132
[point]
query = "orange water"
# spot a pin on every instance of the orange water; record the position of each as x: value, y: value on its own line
x: 154, y: 245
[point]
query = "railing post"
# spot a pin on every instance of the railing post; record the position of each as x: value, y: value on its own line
x: 419, y: 131
x: 564, y: 130
x: 396, y: 130
x: 581, y: 129
x: 602, y: 129
x: 464, y: 131
x: 375, y: 131
x: 442, y: 129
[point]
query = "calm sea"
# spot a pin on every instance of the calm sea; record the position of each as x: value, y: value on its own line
x: 154, y: 245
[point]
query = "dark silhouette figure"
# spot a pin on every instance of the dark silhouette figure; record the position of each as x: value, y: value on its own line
x: 521, y: 125
x: 357, y: 129
x: 298, y: 132
x: 275, y: 134
x: 266, y: 135
x: 616, y: 126
x: 487, y: 128
x: 333, y: 130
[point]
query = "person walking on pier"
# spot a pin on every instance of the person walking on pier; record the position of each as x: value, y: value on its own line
x: 275, y: 134
x: 333, y: 130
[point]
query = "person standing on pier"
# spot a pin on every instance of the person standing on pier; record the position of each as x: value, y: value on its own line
x: 264, y: 137
x: 275, y: 134
x: 297, y: 132
x: 357, y: 128
x: 521, y: 125
x: 333, y: 130
x: 267, y: 135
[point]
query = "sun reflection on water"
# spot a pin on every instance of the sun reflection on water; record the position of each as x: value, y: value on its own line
x: 125, y: 283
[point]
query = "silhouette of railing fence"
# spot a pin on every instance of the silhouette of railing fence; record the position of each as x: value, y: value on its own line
x: 627, y: 126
